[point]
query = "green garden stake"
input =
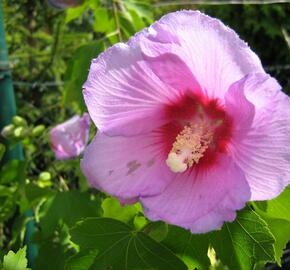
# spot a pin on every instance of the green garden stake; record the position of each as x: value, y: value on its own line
x: 7, y: 111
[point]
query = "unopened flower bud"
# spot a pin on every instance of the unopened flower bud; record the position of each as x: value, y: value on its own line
x: 38, y: 130
x: 8, y: 130
x: 19, y: 121
x: 45, y: 176
x: 19, y: 132
x: 44, y: 180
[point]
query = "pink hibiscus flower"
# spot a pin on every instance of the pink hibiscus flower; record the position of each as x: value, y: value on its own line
x: 69, y: 139
x: 189, y: 123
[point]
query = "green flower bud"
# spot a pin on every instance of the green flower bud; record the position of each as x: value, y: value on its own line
x: 8, y: 130
x: 19, y: 132
x: 44, y: 180
x: 38, y: 130
x: 19, y: 121
x: 44, y: 176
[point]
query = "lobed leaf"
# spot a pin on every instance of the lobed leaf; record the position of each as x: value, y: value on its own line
x: 15, y: 261
x: 120, y: 248
x: 245, y: 242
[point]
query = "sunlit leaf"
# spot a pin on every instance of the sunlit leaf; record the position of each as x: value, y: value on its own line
x: 276, y: 214
x: 113, y: 209
x: 244, y: 242
x: 75, y: 13
x: 278, y: 207
x: 104, y: 21
x: 15, y: 261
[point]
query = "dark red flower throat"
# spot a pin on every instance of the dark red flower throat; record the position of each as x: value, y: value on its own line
x: 198, y: 129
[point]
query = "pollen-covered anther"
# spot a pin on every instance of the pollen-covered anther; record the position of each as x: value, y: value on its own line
x: 189, y: 147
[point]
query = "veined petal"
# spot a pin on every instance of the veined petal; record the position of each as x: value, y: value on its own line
x: 201, y: 200
x: 214, y: 53
x: 264, y: 153
x: 123, y: 95
x: 126, y: 167
x: 239, y: 108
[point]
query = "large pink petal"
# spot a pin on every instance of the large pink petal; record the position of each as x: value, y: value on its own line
x: 173, y: 71
x: 238, y: 107
x: 123, y: 95
x: 264, y: 153
x: 201, y: 200
x: 214, y: 53
x: 126, y: 167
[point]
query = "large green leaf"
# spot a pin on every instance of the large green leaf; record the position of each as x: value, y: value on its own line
x: 15, y: 261
x: 280, y: 228
x: 68, y: 207
x: 51, y: 256
x: 276, y: 214
x: 77, y: 73
x: 192, y: 248
x: 121, y: 248
x: 245, y: 242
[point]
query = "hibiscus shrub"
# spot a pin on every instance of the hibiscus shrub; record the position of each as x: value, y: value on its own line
x: 163, y: 148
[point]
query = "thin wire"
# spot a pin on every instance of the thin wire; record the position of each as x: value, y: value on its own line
x: 221, y: 2
x: 61, y: 83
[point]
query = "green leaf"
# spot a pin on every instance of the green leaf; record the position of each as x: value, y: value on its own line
x: 81, y: 261
x: 280, y: 228
x: 157, y: 230
x: 7, y: 202
x: 113, y: 209
x: 142, y: 9
x: 77, y: 73
x: 245, y: 242
x: 140, y: 221
x: 32, y: 196
x: 51, y: 256
x: 12, y: 171
x: 192, y: 248
x: 277, y: 208
x: 34, y: 193
x: 68, y: 207
x: 104, y: 22
x: 75, y: 13
x: 120, y: 248
x: 15, y: 261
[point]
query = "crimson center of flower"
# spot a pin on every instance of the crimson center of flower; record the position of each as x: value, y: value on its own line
x: 200, y: 129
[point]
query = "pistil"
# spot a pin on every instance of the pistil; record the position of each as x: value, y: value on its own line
x: 189, y: 147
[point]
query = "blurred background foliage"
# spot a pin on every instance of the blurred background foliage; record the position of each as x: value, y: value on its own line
x: 50, y: 49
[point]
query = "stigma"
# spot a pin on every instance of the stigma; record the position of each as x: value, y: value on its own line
x: 189, y: 147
